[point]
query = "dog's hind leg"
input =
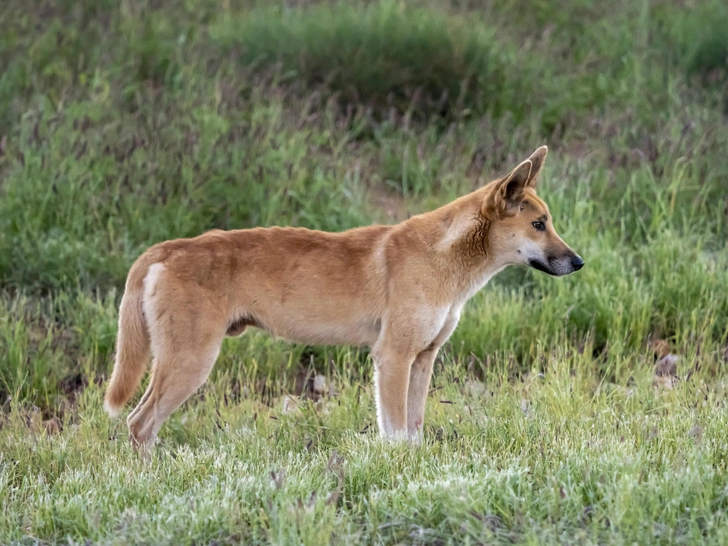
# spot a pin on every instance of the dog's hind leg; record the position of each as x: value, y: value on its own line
x: 175, y: 377
x: 186, y: 334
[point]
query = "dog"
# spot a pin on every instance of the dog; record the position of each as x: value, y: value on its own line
x: 398, y: 289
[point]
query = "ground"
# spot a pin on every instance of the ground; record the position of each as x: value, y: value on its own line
x: 578, y: 410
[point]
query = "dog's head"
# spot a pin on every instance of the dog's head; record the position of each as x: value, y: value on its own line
x: 521, y: 230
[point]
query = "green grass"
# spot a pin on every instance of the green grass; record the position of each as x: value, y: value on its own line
x: 567, y: 458
x: 699, y: 39
x: 125, y: 124
x: 384, y: 54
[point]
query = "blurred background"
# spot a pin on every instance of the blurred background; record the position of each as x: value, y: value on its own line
x: 125, y: 123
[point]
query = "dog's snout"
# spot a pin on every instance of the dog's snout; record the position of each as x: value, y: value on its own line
x: 577, y: 262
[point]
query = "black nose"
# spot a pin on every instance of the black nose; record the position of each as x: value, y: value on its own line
x: 577, y: 262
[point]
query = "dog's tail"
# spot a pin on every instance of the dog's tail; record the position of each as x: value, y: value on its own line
x: 132, y: 341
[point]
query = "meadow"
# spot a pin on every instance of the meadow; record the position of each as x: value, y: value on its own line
x: 590, y: 409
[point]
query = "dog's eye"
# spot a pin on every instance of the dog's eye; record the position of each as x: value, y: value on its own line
x: 540, y: 226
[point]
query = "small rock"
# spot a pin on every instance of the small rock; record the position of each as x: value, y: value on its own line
x: 320, y: 385
x: 667, y: 365
x: 666, y: 371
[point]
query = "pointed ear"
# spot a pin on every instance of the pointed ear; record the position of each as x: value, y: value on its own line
x: 537, y: 159
x: 508, y: 191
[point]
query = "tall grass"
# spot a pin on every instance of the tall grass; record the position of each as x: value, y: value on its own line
x: 699, y: 39
x: 384, y: 55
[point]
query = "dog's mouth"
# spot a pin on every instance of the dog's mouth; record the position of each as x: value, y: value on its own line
x: 557, y: 267
x: 536, y: 264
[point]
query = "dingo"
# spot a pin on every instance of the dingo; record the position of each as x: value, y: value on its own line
x: 398, y: 289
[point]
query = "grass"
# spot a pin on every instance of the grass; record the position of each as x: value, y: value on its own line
x: 383, y: 54
x: 551, y: 419
x: 702, y: 48
x: 560, y: 459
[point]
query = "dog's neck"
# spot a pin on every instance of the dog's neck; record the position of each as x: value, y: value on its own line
x: 459, y: 234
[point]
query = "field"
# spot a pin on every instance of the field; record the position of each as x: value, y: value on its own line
x: 590, y: 409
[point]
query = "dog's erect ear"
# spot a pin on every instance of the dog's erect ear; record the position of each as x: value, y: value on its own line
x: 537, y: 159
x: 509, y: 190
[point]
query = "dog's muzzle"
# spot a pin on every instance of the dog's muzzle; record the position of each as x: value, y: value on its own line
x: 559, y: 266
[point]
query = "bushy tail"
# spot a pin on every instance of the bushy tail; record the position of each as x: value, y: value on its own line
x: 132, y: 342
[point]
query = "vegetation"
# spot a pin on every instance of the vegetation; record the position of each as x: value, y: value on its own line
x: 588, y: 409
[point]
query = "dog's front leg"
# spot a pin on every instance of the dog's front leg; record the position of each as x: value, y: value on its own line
x: 392, y: 372
x: 419, y: 383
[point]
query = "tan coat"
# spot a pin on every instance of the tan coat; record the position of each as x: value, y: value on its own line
x: 398, y: 289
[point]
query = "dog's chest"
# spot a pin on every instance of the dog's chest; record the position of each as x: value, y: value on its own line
x: 475, y: 285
